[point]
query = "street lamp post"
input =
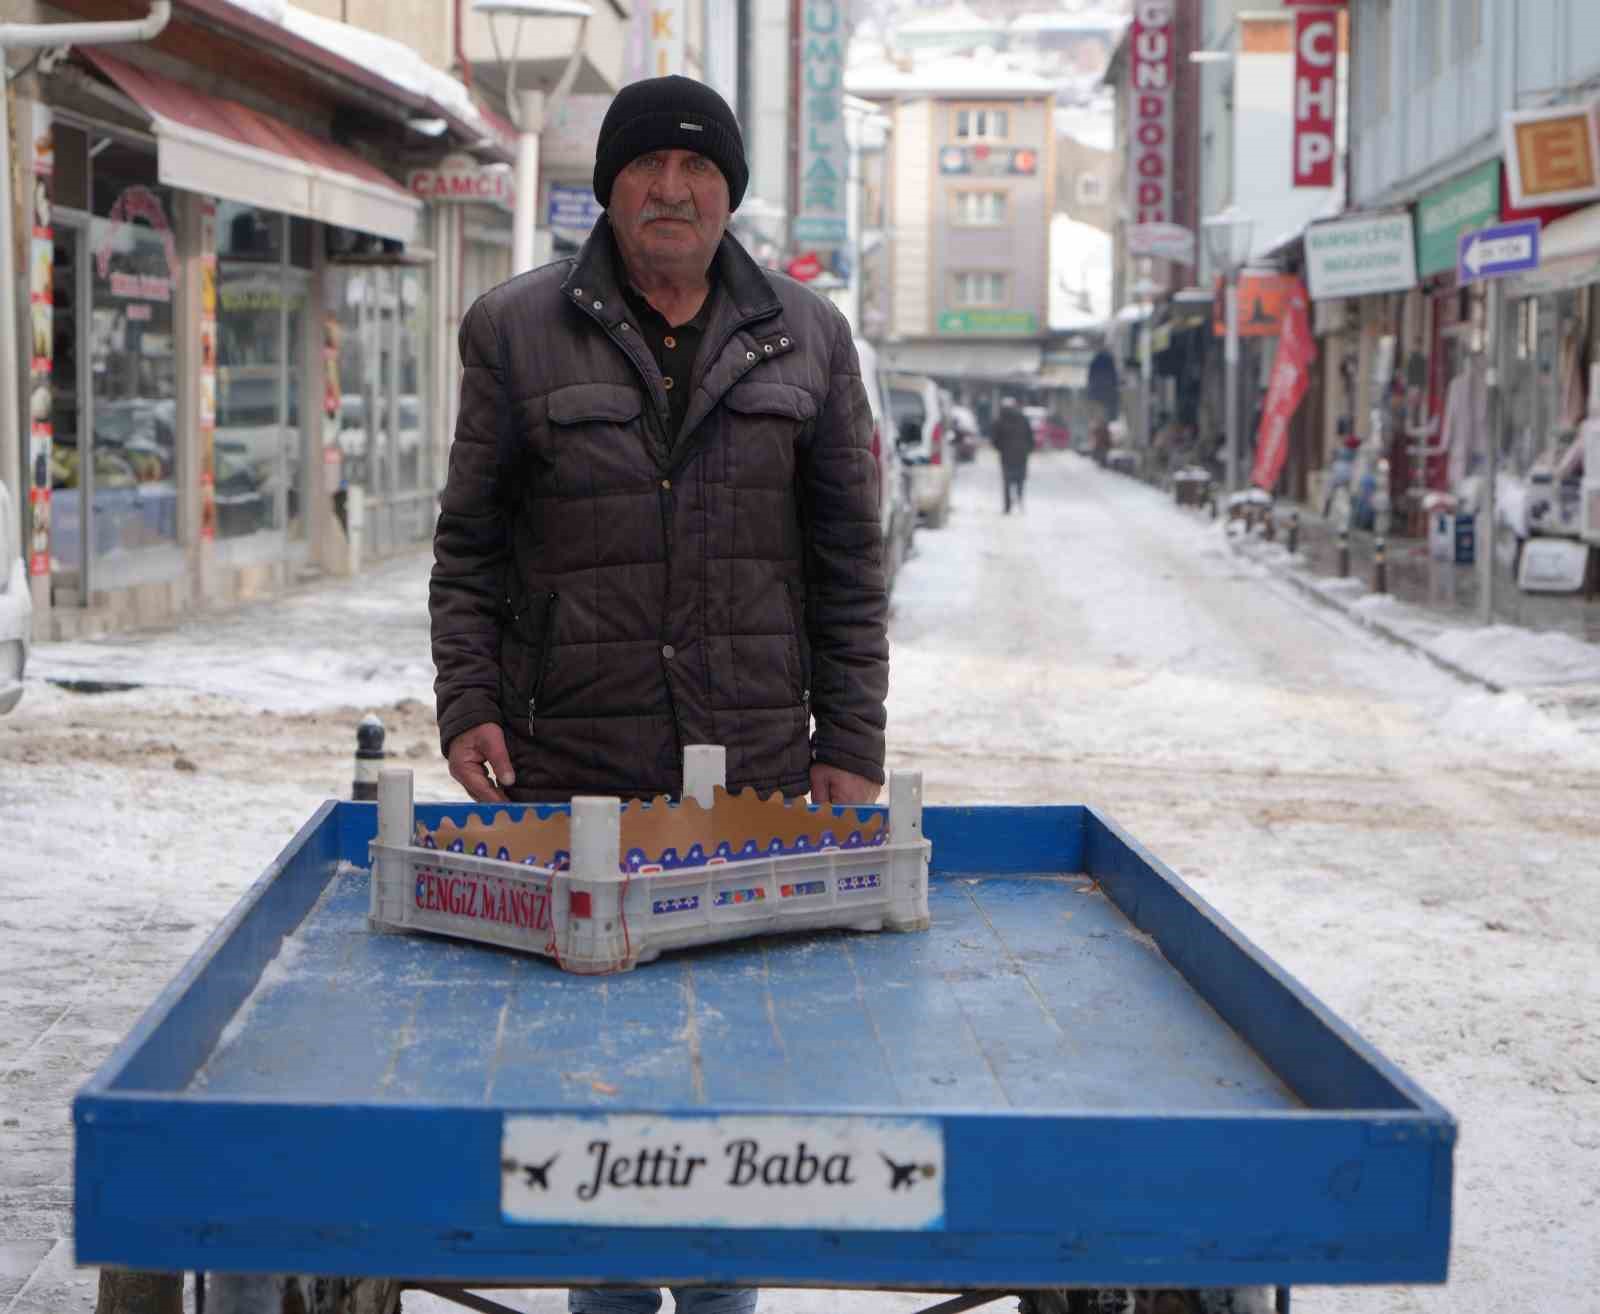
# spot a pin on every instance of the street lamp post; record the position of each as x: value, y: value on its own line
x: 1228, y: 238
x: 1144, y: 292
x: 530, y: 107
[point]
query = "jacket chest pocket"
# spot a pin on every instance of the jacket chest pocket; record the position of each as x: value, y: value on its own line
x: 594, y: 440
x: 767, y: 422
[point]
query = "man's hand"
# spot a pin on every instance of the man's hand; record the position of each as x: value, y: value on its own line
x: 473, y: 750
x: 831, y: 784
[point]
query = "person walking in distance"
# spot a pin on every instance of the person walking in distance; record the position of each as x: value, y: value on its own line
x: 660, y: 524
x: 1013, y: 438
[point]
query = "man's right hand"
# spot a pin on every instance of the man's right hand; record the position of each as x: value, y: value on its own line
x: 476, y: 752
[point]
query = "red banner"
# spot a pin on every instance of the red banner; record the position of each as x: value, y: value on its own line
x: 1316, y: 96
x: 1291, y: 375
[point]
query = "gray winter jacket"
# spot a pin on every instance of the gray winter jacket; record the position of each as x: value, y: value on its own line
x: 609, y: 595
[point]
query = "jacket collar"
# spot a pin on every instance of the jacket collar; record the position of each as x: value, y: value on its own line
x: 598, y: 274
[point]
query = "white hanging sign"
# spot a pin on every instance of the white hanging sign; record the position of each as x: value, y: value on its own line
x: 865, y: 1174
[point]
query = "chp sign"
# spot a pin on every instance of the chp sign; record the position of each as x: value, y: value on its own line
x: 1316, y: 96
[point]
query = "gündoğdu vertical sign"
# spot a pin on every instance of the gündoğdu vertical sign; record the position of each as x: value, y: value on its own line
x: 1151, y: 70
x: 823, y: 166
x: 1316, y: 96
x: 1291, y: 375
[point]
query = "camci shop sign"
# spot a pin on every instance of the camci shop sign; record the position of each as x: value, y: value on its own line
x: 459, y: 178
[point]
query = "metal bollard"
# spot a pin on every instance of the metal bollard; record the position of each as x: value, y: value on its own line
x: 1294, y: 532
x: 1269, y: 524
x: 369, y: 758
x: 1380, y: 567
x: 1344, y: 554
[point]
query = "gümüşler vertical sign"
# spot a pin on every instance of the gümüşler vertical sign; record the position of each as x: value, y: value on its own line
x: 1316, y: 96
x: 1291, y: 375
x: 823, y: 165
x: 1151, y: 70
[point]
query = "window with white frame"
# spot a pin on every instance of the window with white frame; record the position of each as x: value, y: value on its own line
x: 982, y: 123
x: 981, y: 287
x: 980, y: 209
x: 1091, y: 189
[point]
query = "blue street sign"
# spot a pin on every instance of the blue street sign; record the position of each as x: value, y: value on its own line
x: 1498, y: 250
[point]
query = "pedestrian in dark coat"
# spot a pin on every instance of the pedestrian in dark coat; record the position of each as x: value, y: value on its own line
x: 660, y: 525
x: 1013, y: 436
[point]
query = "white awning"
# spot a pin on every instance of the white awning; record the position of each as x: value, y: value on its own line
x: 221, y: 148
x: 967, y: 359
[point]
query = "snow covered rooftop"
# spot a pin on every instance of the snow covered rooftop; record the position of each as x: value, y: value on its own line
x: 1080, y: 275
x: 958, y: 18
x: 1055, y: 21
x: 1092, y: 125
x: 956, y: 76
x: 392, y: 60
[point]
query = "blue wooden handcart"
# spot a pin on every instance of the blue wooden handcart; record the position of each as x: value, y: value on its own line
x: 1082, y: 1076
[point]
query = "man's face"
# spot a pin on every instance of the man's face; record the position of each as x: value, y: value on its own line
x: 669, y: 209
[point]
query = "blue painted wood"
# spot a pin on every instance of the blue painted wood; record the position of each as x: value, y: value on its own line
x: 1103, y: 1124
x: 1321, y: 1058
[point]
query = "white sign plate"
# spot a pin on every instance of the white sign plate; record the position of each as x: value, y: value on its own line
x: 1355, y: 257
x: 630, y: 1170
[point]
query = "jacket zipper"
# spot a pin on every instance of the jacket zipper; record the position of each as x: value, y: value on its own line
x: 797, y: 615
x: 546, y: 639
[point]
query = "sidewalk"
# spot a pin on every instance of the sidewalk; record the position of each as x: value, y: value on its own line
x: 1548, y: 642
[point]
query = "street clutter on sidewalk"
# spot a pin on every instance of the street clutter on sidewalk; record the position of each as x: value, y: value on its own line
x: 1433, y: 604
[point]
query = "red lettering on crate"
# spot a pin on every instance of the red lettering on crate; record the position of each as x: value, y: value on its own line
x: 483, y: 898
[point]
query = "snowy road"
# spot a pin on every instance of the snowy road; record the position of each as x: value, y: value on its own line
x: 1423, y: 855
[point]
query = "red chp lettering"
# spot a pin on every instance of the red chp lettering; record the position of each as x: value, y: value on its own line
x: 1316, y: 96
x: 1150, y: 132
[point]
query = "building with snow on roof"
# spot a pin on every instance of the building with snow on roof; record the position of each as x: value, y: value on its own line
x: 970, y: 192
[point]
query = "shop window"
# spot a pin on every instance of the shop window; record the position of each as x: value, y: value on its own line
x: 133, y: 281
x: 258, y: 444
x: 377, y: 322
x: 300, y: 243
x: 70, y: 183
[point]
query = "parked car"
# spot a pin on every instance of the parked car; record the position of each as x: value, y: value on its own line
x: 897, y: 512
x: 921, y: 428
x: 1049, y: 433
x: 966, y: 427
x: 16, y: 608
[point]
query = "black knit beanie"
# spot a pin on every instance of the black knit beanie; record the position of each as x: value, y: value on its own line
x: 671, y: 113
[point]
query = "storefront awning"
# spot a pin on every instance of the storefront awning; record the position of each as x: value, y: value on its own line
x: 221, y: 148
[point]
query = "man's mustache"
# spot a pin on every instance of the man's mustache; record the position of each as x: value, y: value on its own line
x: 686, y: 212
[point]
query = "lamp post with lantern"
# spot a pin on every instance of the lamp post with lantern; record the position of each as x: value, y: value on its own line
x: 530, y: 107
x: 1228, y: 237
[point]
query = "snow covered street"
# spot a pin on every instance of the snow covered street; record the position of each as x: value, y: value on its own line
x: 1423, y: 855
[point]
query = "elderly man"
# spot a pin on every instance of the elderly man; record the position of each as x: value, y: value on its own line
x: 660, y: 525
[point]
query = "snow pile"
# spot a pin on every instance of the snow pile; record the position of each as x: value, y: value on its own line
x: 1509, y: 655
x: 392, y: 60
x: 1080, y: 275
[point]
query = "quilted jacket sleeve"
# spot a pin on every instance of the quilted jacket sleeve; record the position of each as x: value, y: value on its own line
x: 848, y: 606
x: 470, y: 541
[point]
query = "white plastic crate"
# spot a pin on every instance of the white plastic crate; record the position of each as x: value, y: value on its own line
x: 594, y: 916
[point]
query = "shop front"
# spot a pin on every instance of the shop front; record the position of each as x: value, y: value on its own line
x: 236, y: 352
x: 111, y: 390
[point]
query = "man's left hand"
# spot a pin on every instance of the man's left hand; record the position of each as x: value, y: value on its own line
x: 835, y: 785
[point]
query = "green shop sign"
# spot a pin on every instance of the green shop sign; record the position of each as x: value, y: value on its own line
x: 1462, y: 205
x: 988, y: 321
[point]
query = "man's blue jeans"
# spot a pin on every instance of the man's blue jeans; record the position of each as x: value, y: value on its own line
x: 647, y: 1300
